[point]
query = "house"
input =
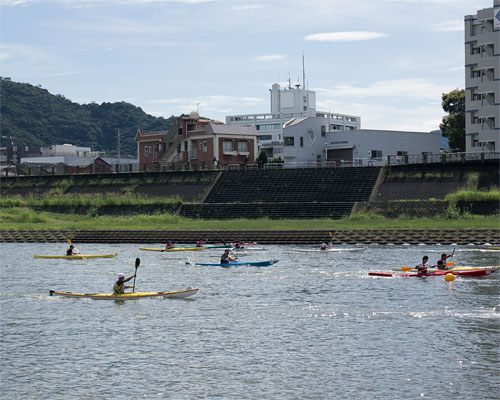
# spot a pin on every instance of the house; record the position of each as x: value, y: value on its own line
x: 196, y: 143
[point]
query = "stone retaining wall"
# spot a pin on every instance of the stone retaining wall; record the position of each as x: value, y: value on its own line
x: 371, y: 236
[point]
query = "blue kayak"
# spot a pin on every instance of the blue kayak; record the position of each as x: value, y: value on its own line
x: 241, y: 263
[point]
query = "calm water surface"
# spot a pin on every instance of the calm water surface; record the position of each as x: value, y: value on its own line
x: 313, y: 326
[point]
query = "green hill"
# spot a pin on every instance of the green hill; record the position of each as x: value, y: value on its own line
x: 35, y: 117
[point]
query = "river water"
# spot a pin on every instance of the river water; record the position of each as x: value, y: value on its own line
x: 312, y: 326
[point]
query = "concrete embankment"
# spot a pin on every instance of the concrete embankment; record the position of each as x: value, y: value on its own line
x: 371, y: 236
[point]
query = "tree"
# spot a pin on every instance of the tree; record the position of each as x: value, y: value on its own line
x: 453, y: 124
x: 262, y: 158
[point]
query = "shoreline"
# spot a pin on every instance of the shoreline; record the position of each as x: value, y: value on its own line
x: 396, y: 236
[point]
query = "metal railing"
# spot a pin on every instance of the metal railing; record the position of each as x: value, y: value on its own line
x: 390, y: 160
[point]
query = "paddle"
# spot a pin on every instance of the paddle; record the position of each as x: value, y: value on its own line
x: 137, y: 263
x: 406, y: 269
x: 331, y: 239
x: 231, y: 251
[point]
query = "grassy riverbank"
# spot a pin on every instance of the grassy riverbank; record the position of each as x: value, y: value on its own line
x: 24, y: 218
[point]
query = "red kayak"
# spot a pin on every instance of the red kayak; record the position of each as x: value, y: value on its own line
x: 475, y: 272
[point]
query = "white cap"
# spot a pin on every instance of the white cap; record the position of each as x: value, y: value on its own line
x: 120, y: 275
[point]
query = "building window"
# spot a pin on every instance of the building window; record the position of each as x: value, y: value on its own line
x: 475, y: 96
x: 301, y: 141
x: 305, y: 108
x: 289, y: 141
x: 475, y: 141
x: 147, y: 150
x: 268, y: 127
x: 323, y: 130
x: 475, y: 50
x: 205, y: 146
x: 475, y: 74
x: 474, y: 119
x: 201, y: 145
x: 265, y: 137
x: 227, y: 146
x: 242, y: 147
x: 375, y: 154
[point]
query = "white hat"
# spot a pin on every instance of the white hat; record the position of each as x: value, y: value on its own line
x: 120, y: 275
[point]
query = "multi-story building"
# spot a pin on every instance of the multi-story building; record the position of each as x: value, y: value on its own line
x: 290, y: 103
x: 482, y: 80
x: 195, y: 143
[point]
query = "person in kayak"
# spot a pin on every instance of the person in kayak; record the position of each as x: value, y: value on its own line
x: 200, y: 243
x: 119, y: 286
x: 323, y: 246
x: 237, y: 244
x: 72, y: 251
x: 441, y: 263
x: 226, y: 257
x: 422, y: 266
x: 169, y: 245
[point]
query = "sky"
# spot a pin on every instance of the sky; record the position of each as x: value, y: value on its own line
x: 387, y: 61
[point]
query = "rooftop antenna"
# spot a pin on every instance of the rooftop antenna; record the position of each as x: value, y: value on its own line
x: 303, y: 72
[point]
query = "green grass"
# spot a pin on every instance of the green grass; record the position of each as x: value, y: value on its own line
x: 474, y: 195
x: 22, y: 218
x: 87, y: 200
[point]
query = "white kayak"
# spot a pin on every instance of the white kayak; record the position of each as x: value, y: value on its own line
x: 330, y: 250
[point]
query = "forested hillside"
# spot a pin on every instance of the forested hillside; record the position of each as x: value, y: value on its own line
x: 35, y: 117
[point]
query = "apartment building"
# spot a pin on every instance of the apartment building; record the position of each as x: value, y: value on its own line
x: 290, y: 103
x: 482, y: 80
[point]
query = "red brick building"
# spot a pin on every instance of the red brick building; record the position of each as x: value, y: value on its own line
x: 195, y: 143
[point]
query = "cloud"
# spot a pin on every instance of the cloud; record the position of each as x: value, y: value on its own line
x: 274, y: 57
x: 448, y: 26
x: 248, y: 7
x: 344, y: 36
x: 87, y: 3
x: 13, y: 2
x: 209, y: 105
x: 10, y: 52
x: 422, y: 89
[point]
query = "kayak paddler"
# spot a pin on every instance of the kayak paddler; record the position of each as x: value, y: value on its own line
x: 323, y: 246
x: 225, y: 258
x: 422, y: 266
x: 169, y: 245
x: 72, y: 251
x: 441, y: 263
x: 119, y: 286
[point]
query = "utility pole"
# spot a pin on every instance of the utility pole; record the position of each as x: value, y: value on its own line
x: 118, y: 138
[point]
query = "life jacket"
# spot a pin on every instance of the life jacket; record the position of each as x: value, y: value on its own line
x: 119, y: 288
x: 69, y: 252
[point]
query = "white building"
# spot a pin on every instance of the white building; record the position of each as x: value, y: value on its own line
x: 57, y: 150
x: 307, y: 140
x: 482, y: 80
x: 287, y: 104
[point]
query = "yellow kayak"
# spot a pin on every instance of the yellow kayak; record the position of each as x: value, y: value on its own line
x: 174, y: 249
x: 79, y: 256
x: 493, y: 248
x: 126, y: 296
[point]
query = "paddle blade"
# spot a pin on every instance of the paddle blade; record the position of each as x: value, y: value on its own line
x: 69, y: 241
x: 331, y: 236
x: 137, y: 262
x: 450, y: 264
x: 406, y: 269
